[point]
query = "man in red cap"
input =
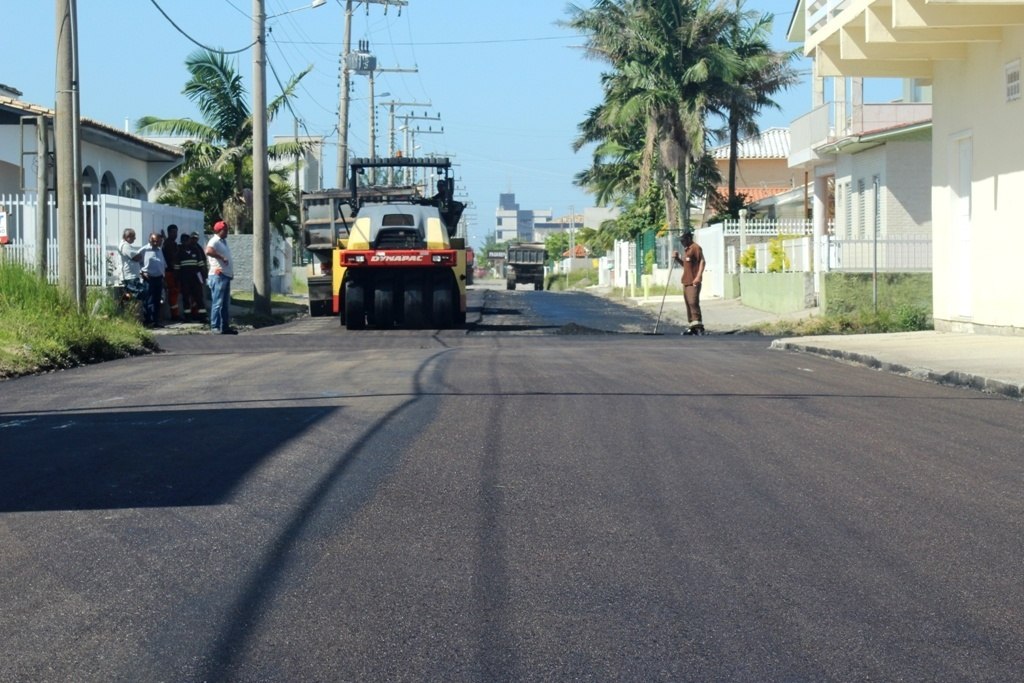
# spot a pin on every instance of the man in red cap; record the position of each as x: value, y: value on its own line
x: 218, y: 257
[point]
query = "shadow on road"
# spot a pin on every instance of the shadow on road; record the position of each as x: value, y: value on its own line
x: 89, y: 461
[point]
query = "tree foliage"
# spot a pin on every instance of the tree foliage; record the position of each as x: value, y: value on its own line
x: 219, y: 148
x: 672, y: 65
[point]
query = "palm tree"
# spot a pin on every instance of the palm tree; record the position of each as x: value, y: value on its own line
x: 222, y: 141
x: 619, y: 166
x: 668, y: 60
x: 764, y: 72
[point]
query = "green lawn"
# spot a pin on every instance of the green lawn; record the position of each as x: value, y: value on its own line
x: 41, y: 328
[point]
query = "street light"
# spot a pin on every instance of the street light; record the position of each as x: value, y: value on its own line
x: 314, y: 4
x: 260, y: 170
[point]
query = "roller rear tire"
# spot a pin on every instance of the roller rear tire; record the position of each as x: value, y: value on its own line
x: 443, y: 305
x: 355, y: 306
x: 414, y: 302
x: 384, y: 305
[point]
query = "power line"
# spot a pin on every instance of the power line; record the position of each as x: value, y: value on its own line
x: 205, y: 47
x: 470, y: 42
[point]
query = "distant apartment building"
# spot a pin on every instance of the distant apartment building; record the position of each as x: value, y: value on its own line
x: 513, y: 223
x: 310, y: 174
x: 535, y: 225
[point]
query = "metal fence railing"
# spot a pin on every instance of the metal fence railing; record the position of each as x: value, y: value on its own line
x: 905, y: 254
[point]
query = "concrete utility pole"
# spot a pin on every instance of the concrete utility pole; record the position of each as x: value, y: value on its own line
x: 260, y: 171
x: 260, y: 166
x: 343, y: 95
x: 67, y: 133
x: 391, y: 131
x: 42, y: 192
x: 410, y: 135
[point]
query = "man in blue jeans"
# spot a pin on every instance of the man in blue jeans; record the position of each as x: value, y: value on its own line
x: 218, y: 258
x: 153, y: 269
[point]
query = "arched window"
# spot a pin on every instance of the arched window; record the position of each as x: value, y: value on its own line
x: 90, y: 183
x: 109, y: 184
x: 132, y: 189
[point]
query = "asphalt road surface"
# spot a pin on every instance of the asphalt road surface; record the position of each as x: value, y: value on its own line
x: 552, y: 493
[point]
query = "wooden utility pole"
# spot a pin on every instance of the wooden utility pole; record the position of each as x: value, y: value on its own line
x: 68, y: 148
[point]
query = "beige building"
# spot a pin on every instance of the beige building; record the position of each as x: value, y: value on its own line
x: 762, y: 170
x: 969, y: 53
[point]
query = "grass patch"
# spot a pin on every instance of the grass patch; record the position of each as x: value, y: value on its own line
x: 41, y: 328
x: 906, y: 318
x: 577, y: 279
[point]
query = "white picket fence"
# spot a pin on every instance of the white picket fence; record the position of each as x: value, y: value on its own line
x: 767, y: 227
x: 903, y: 254
x: 104, y: 218
x: 804, y: 253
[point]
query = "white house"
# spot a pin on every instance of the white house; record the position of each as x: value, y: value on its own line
x: 969, y: 52
x: 113, y: 162
x: 119, y: 171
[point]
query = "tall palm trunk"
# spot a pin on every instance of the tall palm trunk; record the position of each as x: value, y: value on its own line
x: 734, y: 150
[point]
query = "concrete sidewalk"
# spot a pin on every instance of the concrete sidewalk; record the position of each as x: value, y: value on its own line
x: 990, y: 363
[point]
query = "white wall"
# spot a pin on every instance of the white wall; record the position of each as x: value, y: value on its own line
x: 908, y: 170
x: 970, y: 105
x: 903, y: 168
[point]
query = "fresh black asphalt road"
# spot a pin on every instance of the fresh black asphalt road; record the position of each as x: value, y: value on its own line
x: 550, y: 494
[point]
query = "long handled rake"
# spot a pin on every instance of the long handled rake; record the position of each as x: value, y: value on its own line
x: 671, y: 266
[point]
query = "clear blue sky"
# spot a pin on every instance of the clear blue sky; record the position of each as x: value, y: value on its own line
x: 510, y: 85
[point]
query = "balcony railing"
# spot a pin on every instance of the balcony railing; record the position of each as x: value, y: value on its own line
x: 869, y: 118
x: 817, y: 128
x: 820, y: 12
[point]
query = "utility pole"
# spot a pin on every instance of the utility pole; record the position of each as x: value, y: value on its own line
x: 346, y: 48
x: 391, y: 131
x: 42, y: 193
x: 260, y: 167
x: 298, y: 164
x: 343, y: 95
x: 373, y: 106
x: 410, y: 134
x: 260, y: 172
x: 68, y: 148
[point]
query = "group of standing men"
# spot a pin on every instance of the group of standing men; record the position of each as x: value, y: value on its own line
x: 180, y: 268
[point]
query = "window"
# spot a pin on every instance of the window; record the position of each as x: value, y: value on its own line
x: 1012, y: 72
x: 876, y: 200
x: 862, y: 217
x: 393, y: 219
x: 132, y: 189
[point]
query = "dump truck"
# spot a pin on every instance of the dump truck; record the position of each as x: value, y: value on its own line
x: 524, y: 264
x: 326, y: 215
x: 397, y: 260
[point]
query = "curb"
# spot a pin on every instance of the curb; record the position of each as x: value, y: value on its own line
x: 955, y: 378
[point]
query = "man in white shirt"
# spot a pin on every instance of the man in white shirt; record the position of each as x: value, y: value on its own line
x: 131, y: 262
x: 218, y: 258
x: 153, y: 269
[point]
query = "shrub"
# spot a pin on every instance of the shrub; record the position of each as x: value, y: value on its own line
x: 649, y: 261
x: 748, y: 259
x: 779, y: 262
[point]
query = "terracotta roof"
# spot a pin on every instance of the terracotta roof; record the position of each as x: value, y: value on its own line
x: 772, y: 143
x: 578, y: 251
x: 110, y: 132
x: 753, y: 194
